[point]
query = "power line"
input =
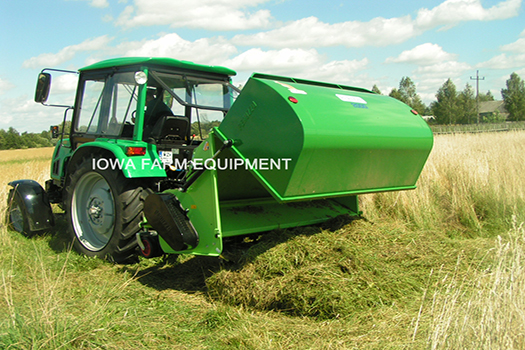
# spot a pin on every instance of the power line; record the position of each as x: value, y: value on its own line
x: 477, y: 79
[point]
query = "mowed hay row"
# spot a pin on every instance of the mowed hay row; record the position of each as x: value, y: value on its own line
x: 386, y: 259
x: 329, y: 274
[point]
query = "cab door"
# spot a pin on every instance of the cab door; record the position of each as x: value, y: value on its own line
x: 106, y: 106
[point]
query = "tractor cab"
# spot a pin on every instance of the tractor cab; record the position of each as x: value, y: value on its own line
x: 145, y: 105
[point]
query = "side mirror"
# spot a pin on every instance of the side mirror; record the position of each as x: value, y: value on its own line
x: 43, y: 86
x: 54, y: 131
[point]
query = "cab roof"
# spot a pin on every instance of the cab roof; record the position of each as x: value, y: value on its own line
x: 158, y: 61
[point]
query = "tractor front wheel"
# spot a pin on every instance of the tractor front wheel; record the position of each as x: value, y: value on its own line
x: 104, y: 210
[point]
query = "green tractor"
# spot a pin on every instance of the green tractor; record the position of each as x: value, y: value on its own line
x: 133, y: 178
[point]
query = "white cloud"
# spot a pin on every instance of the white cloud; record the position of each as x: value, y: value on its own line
x: 206, y: 50
x: 427, y: 97
x: 344, y: 71
x: 452, y: 12
x: 517, y: 46
x: 306, y: 64
x: 5, y: 85
x: 274, y: 61
x: 205, y: 14
x: 99, y: 3
x: 24, y: 114
x: 107, y: 18
x: 64, y: 84
x: 308, y: 32
x: 302, y: 63
x: 503, y: 61
x: 514, y: 61
x: 311, y: 32
x: 435, y: 66
x: 67, y: 53
x: 423, y: 55
x: 520, y: 72
x: 430, y: 78
x: 442, y: 70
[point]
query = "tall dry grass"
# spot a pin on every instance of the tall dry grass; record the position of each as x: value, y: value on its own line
x: 33, y: 163
x: 487, y: 312
x: 472, y: 183
x: 26, y: 154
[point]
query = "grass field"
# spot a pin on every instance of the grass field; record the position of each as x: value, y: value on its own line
x: 440, y: 267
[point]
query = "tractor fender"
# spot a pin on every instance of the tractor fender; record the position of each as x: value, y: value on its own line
x: 131, y: 167
x: 35, y: 201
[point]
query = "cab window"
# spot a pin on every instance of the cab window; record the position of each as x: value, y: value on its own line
x: 107, y: 105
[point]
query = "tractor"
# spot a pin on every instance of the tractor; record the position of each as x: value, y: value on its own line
x: 135, y: 176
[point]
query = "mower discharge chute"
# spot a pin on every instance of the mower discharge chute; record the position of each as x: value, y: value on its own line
x: 290, y: 153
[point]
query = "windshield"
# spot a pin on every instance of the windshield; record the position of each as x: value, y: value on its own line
x: 213, y: 96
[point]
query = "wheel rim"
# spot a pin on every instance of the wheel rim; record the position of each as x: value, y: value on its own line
x: 17, y: 218
x: 147, y: 248
x: 93, y: 211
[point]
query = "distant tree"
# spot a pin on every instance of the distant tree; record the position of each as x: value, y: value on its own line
x: 396, y: 94
x: 445, y: 108
x: 2, y: 139
x: 11, y: 139
x: 407, y: 94
x: 467, y: 107
x: 205, y: 127
x: 376, y: 89
x: 514, y: 97
x: 486, y: 97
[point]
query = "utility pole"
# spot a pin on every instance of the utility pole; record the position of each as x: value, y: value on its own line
x: 477, y: 79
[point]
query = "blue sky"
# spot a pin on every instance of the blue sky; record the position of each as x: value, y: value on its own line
x: 359, y: 43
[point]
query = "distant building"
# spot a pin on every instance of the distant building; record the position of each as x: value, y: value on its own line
x: 428, y: 118
x: 490, y: 109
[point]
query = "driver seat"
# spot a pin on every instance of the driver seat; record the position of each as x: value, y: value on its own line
x: 170, y: 127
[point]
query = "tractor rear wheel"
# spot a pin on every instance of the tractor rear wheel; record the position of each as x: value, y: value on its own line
x: 104, y: 210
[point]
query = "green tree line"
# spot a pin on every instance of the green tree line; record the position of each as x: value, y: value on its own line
x: 461, y: 107
x: 12, y: 139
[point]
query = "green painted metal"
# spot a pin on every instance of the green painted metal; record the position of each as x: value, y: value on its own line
x: 148, y: 165
x: 302, y: 152
x: 154, y: 61
x: 257, y: 215
x: 338, y: 140
x: 201, y: 201
x: 216, y: 214
x: 60, y: 154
